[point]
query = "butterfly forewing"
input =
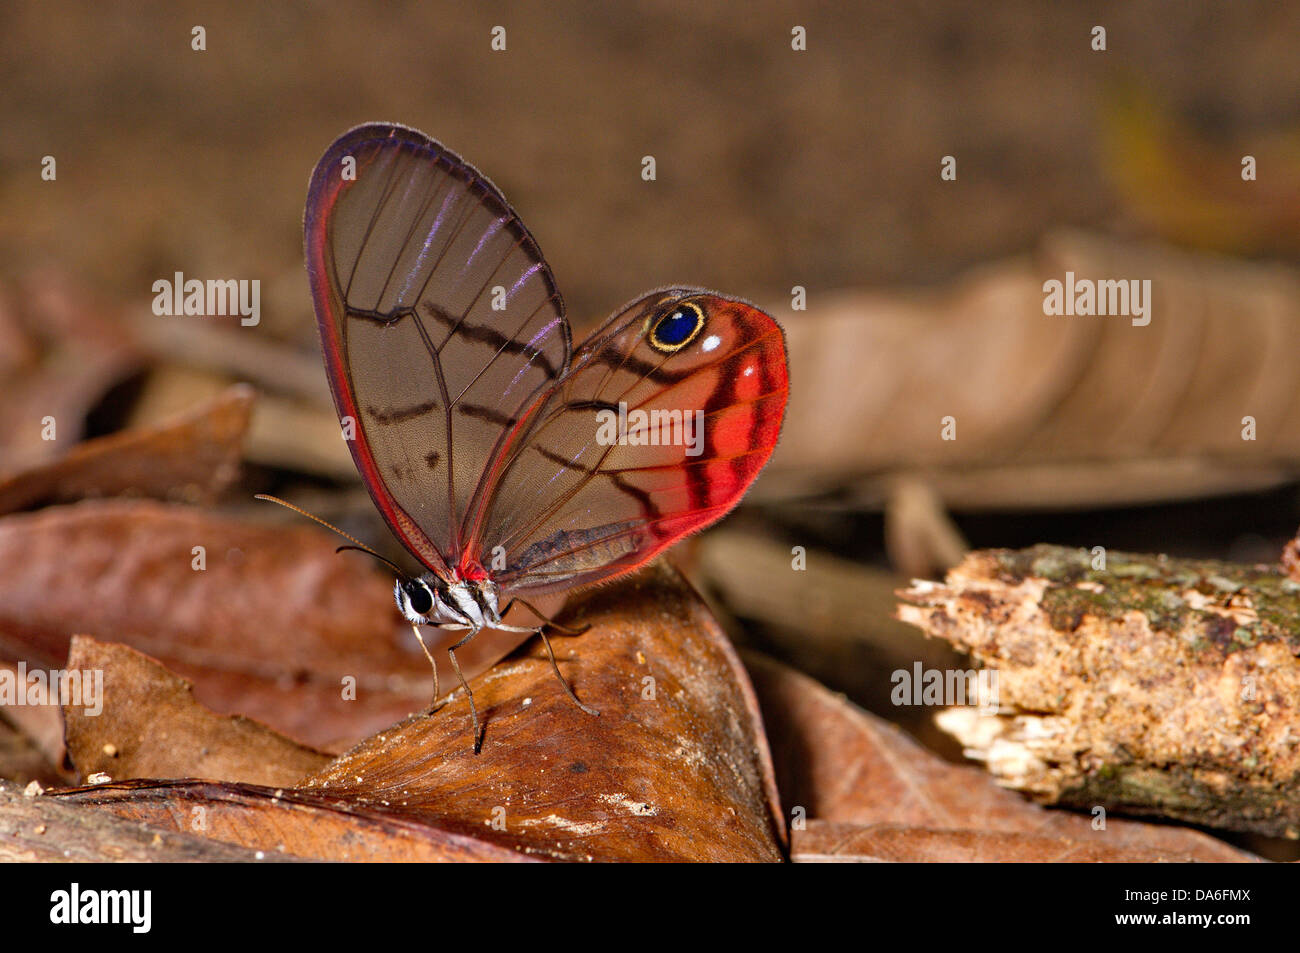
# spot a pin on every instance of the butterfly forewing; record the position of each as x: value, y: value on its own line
x: 439, y: 319
x: 642, y: 442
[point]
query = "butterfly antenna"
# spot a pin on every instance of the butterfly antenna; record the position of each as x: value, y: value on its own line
x: 357, y: 544
x: 366, y: 549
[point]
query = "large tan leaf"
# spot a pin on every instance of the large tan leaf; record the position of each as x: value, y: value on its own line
x: 1049, y: 410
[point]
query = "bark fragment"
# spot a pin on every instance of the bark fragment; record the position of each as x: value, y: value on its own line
x: 1138, y: 683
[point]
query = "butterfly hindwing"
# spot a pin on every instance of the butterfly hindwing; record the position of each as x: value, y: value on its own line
x: 665, y: 417
x: 439, y: 320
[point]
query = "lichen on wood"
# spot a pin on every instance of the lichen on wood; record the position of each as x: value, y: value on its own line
x: 1145, y: 684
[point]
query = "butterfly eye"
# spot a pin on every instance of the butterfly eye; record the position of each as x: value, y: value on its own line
x: 419, y: 596
x: 677, y: 328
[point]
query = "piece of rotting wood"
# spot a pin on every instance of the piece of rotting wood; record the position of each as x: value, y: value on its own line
x: 1144, y: 684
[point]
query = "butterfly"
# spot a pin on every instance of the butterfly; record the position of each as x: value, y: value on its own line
x: 508, y: 462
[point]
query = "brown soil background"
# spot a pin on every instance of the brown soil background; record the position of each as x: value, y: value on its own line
x: 775, y: 168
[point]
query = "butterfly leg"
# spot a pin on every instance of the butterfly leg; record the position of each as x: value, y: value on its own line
x: 473, y: 709
x: 556, y: 668
x: 541, y: 630
x: 553, y: 624
x: 433, y: 705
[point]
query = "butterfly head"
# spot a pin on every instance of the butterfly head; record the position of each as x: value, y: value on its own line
x: 417, y: 600
x: 431, y: 600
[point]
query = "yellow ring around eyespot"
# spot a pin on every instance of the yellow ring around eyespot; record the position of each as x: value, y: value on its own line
x: 659, y: 345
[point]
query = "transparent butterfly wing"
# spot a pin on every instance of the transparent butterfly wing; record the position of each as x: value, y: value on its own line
x: 569, y: 504
x: 439, y: 320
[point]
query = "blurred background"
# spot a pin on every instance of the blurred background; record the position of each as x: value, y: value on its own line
x: 777, y: 169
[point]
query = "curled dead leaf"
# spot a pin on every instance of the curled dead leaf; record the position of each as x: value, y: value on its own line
x: 59, y: 354
x: 148, y: 725
x: 191, y: 457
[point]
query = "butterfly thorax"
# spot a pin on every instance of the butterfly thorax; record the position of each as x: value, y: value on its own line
x: 429, y: 599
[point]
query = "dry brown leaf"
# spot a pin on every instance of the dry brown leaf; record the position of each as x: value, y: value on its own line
x: 22, y: 761
x: 191, y: 457
x: 1050, y: 411
x: 843, y: 765
x: 284, y: 432
x: 59, y: 354
x: 230, y: 353
x: 833, y: 620
x: 151, y: 727
x: 277, y: 627
x: 41, y: 726
x: 827, y: 841
x: 681, y: 775
x: 295, y: 426
x: 677, y: 773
